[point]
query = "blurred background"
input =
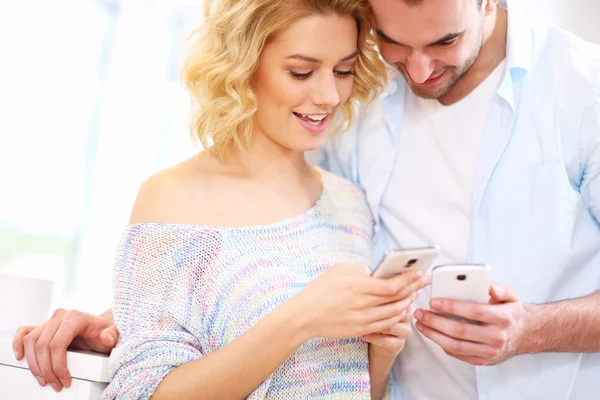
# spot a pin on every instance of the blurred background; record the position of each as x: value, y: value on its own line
x: 91, y: 105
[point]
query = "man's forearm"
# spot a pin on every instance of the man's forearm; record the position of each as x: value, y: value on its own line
x: 565, y: 326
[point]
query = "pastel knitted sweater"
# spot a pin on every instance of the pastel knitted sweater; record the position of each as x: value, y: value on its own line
x: 183, y: 291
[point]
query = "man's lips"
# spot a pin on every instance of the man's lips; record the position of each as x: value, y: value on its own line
x: 432, y: 81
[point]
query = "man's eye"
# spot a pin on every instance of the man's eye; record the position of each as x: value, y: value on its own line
x: 387, y: 40
x: 448, y: 42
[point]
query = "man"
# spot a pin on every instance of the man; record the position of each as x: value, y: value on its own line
x: 487, y: 143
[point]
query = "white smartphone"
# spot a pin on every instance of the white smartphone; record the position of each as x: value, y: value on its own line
x: 410, y: 259
x: 465, y: 282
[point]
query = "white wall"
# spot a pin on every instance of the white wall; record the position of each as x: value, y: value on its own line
x: 583, y: 18
x: 578, y: 16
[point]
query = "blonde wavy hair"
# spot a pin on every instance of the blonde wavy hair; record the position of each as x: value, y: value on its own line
x: 222, y: 57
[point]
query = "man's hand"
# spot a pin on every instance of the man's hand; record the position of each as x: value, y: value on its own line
x: 45, y: 346
x: 498, y: 336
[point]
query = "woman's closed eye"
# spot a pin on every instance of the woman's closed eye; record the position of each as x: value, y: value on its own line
x: 304, y: 76
x: 299, y: 76
x: 343, y: 74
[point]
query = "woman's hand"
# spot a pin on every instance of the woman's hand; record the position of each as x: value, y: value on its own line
x: 345, y: 301
x: 389, y: 343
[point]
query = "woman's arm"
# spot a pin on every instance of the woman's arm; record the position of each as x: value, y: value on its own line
x: 380, y: 366
x: 161, y: 355
x: 238, y: 368
x: 384, y: 348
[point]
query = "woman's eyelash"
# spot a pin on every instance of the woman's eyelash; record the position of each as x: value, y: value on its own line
x: 339, y: 74
x: 343, y: 74
x: 301, y: 77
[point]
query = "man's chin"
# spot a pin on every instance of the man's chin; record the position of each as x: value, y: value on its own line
x: 429, y: 92
x: 439, y: 89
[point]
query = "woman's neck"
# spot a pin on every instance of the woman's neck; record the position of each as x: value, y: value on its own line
x: 266, y: 160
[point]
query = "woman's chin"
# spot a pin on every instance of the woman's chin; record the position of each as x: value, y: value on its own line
x: 312, y: 145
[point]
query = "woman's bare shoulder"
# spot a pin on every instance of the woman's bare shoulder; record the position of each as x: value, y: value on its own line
x: 177, y: 194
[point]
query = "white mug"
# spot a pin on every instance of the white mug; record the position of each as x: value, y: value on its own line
x: 23, y: 301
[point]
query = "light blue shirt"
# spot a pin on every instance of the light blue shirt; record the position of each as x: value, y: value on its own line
x: 536, y: 193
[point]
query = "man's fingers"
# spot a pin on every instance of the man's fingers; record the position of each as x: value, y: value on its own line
x: 461, y: 329
x: 477, y: 361
x: 29, y: 342
x: 68, y: 330
x: 502, y: 294
x: 456, y: 346
x: 485, y: 313
x: 44, y: 353
x: 109, y: 338
x: 17, y: 343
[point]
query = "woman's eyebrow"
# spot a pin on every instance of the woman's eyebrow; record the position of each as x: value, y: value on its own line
x: 317, y: 61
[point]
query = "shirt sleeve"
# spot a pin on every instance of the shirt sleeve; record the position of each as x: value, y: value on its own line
x: 590, y: 150
x: 153, y: 292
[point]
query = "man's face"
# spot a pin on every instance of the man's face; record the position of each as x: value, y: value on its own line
x: 433, y: 43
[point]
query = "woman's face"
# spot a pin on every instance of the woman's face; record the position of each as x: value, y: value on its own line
x: 303, y: 76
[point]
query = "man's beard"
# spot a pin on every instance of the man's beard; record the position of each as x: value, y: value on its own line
x: 453, y: 71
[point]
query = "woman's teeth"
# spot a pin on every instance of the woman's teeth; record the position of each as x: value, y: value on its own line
x: 314, y: 119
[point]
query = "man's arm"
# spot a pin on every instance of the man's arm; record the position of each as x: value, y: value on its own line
x: 506, y: 328
x: 45, y: 346
x: 565, y: 326
x: 573, y: 325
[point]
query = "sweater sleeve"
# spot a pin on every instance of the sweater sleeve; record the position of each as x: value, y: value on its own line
x: 155, y: 284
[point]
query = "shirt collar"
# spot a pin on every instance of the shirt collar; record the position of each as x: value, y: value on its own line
x: 519, y: 46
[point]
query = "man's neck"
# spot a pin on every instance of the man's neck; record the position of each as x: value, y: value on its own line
x: 493, y: 52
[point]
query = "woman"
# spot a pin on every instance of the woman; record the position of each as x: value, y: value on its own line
x: 243, y: 272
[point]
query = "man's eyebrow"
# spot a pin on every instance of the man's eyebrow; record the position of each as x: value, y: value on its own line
x: 316, y: 61
x: 387, y: 38
x: 447, y: 38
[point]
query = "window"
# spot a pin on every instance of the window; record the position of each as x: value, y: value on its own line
x: 91, y: 105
